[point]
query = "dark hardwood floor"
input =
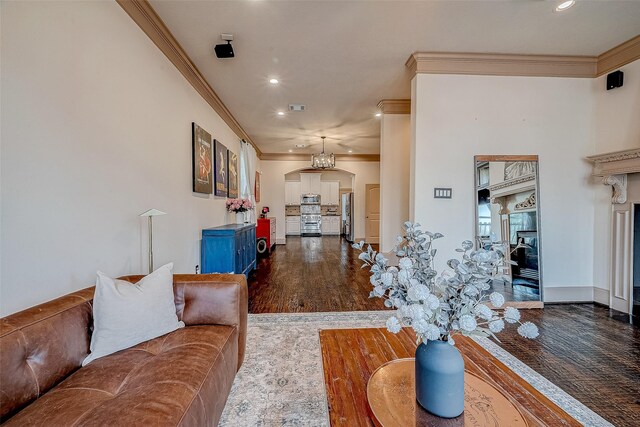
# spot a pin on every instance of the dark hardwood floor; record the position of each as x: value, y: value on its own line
x: 581, y: 348
x: 311, y: 274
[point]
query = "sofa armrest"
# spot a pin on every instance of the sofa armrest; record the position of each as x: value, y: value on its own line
x: 211, y: 299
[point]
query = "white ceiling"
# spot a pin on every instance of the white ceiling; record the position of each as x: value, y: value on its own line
x: 341, y: 57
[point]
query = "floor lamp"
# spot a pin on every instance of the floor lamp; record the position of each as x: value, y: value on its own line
x: 150, y: 214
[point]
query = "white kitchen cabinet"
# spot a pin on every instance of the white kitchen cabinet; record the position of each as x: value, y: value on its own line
x: 330, y: 192
x: 330, y: 225
x: 310, y: 183
x: 292, y: 192
x: 292, y: 225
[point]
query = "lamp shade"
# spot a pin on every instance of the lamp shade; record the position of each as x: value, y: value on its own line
x: 152, y: 212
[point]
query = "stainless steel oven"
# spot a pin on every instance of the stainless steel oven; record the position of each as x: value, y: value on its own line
x: 310, y: 215
x: 310, y: 199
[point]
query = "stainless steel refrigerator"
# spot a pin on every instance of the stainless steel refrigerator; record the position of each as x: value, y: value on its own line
x: 348, y: 223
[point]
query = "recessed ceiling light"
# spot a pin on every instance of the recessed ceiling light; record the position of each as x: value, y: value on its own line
x: 281, y: 113
x: 300, y: 145
x: 291, y: 151
x: 274, y: 81
x: 565, y: 5
x: 378, y: 114
x: 351, y: 151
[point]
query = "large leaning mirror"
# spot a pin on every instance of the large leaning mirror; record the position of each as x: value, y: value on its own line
x: 507, y: 209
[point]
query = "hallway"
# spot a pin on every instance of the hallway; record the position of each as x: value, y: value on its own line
x: 311, y: 274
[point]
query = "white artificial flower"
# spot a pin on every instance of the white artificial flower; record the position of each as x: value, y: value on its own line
x: 403, y: 277
x: 468, y: 323
x: 386, y: 278
x: 483, y: 311
x: 393, y: 325
x: 432, y: 332
x: 405, y: 263
x: 511, y: 315
x: 418, y: 293
x: 496, y: 326
x: 378, y: 291
x: 416, y: 312
x: 432, y: 302
x: 451, y: 340
x: 528, y: 330
x: 427, y: 312
x: 404, y: 311
x: 496, y: 299
x: 420, y: 326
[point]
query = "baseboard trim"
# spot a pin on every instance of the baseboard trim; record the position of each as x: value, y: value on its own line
x: 569, y: 294
x: 601, y: 296
x: 281, y: 241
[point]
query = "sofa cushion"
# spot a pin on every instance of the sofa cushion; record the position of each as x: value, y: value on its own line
x: 181, y: 378
x: 126, y: 314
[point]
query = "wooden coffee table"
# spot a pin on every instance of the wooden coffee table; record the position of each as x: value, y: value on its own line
x: 351, y: 356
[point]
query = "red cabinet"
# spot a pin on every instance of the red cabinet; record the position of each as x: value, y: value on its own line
x: 266, y: 231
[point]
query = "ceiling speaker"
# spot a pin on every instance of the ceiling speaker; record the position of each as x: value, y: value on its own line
x: 615, y: 79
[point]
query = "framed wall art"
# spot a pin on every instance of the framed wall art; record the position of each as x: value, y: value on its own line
x: 257, y: 187
x: 202, y: 163
x: 233, y: 175
x: 221, y: 172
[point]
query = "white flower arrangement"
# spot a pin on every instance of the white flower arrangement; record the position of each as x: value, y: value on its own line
x: 440, y: 306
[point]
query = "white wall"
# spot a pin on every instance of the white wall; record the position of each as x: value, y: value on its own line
x: 457, y: 117
x: 616, y: 127
x: 273, y: 177
x: 96, y: 128
x: 395, y: 144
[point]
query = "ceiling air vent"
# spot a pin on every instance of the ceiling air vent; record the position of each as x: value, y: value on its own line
x: 297, y: 107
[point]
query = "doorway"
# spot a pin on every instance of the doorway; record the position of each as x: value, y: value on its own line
x: 372, y: 213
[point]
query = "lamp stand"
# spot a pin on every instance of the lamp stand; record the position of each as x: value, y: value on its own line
x: 150, y: 244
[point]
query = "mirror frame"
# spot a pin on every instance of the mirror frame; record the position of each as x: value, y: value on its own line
x: 514, y: 158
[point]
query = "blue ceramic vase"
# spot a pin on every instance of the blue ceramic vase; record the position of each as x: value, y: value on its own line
x: 440, y: 379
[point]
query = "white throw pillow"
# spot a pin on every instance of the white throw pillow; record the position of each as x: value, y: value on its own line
x: 126, y: 314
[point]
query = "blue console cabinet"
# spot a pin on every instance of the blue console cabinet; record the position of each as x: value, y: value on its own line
x: 229, y: 249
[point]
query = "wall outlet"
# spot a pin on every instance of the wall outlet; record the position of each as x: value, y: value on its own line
x: 197, y: 269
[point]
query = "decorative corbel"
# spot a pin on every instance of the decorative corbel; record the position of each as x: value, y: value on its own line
x: 619, y: 185
x: 502, y: 202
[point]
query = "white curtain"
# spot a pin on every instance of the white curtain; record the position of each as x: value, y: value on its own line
x: 248, y: 174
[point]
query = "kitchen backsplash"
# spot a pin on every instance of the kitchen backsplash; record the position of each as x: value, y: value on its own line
x: 292, y: 210
x: 324, y: 210
x: 329, y: 210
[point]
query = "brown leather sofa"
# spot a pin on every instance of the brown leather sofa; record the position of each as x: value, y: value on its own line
x: 179, y: 379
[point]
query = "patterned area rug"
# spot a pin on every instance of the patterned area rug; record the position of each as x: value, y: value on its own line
x: 281, y: 382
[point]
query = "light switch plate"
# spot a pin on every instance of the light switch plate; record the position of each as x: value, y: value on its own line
x: 442, y: 193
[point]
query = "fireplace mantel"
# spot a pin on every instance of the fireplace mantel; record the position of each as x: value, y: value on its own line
x: 613, y: 168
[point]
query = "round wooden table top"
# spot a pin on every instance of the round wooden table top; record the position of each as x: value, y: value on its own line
x: 391, y: 397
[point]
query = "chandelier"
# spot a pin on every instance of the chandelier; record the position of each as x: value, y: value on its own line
x: 323, y: 160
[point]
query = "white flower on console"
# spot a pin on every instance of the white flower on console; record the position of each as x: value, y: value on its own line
x: 468, y: 323
x: 511, y: 315
x: 393, y: 325
x: 497, y: 300
x: 528, y: 330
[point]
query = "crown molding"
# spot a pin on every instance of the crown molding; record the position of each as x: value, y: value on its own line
x: 395, y: 106
x: 307, y: 157
x: 496, y: 64
x: 148, y: 20
x: 620, y: 55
